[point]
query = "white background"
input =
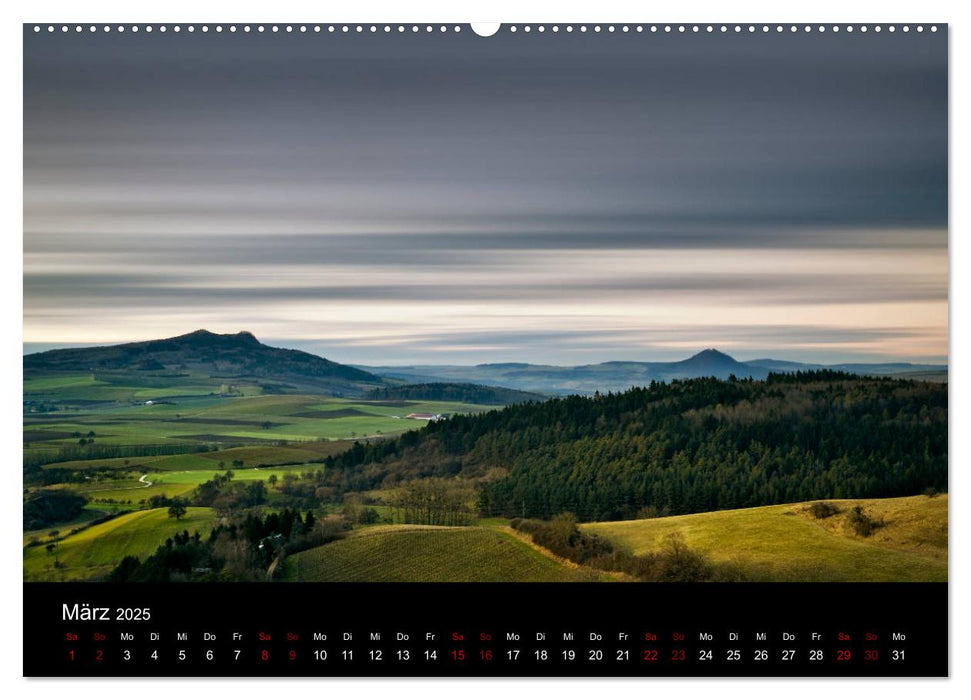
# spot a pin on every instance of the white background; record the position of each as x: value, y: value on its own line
x: 521, y: 11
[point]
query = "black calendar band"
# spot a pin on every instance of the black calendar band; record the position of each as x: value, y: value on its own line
x: 480, y: 629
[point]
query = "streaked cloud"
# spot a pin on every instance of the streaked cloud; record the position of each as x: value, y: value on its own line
x: 448, y: 198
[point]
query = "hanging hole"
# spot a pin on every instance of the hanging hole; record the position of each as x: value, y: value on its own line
x: 485, y: 28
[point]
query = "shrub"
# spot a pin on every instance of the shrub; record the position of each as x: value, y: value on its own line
x: 822, y: 510
x: 673, y: 561
x: 678, y: 562
x: 368, y: 516
x: 562, y: 537
x: 861, y: 523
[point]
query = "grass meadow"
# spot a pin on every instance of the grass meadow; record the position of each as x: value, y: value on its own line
x: 96, y: 550
x: 432, y: 554
x: 786, y: 543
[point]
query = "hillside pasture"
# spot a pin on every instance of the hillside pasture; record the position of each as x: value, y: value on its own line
x: 95, y: 551
x: 786, y: 543
x: 429, y: 554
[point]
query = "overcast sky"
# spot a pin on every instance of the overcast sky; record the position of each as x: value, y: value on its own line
x: 446, y: 198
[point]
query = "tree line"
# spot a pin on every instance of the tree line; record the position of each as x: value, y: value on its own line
x: 453, y: 391
x: 435, y: 501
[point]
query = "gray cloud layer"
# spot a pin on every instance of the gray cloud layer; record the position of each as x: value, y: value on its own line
x: 174, y: 180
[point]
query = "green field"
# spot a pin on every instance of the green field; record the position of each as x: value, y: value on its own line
x: 433, y: 554
x: 125, y: 490
x: 785, y: 543
x: 197, y: 477
x: 238, y: 433
x: 95, y: 551
x: 258, y: 456
x: 214, y: 421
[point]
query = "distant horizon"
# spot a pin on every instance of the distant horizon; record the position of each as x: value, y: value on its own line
x: 668, y: 355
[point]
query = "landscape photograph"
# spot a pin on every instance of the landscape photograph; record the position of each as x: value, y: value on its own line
x: 399, y: 306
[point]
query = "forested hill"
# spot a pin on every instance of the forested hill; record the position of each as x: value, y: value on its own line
x: 451, y: 391
x: 687, y: 446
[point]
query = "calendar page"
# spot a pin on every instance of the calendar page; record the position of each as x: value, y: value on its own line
x: 512, y: 350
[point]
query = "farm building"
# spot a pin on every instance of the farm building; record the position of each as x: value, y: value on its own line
x: 425, y: 416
